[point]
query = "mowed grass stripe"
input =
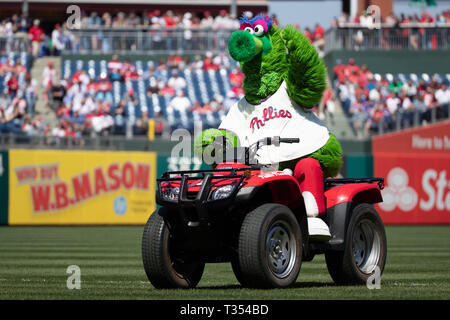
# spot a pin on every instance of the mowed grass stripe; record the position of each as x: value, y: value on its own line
x: 33, y: 263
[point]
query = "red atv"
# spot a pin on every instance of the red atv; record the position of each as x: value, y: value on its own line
x: 255, y: 218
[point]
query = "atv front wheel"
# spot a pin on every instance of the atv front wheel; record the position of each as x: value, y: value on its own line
x: 364, y: 251
x: 270, y: 247
x: 163, y: 266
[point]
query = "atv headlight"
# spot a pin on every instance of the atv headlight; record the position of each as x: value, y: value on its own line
x: 222, y: 192
x: 171, y: 193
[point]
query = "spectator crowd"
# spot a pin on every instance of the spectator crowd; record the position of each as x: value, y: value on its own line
x: 375, y: 102
x: 17, y: 97
x: 366, y: 19
x: 86, y: 105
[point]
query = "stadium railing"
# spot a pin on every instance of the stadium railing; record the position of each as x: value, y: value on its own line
x: 387, y: 38
x: 142, y: 40
x: 19, y: 42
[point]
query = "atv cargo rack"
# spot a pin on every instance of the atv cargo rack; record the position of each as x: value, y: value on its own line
x: 330, y: 182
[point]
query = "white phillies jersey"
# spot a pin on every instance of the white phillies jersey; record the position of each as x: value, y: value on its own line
x: 278, y: 115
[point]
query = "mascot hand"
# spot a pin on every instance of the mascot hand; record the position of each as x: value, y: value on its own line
x: 206, y: 140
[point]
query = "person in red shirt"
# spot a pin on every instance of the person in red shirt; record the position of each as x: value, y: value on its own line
x: 208, y: 63
x: 339, y: 70
x: 309, y: 35
x: 37, y: 35
x: 236, y: 77
x: 319, y: 32
x: 351, y: 67
x: 13, y: 85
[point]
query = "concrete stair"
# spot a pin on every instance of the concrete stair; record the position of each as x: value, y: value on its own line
x: 340, y: 127
x: 36, y: 73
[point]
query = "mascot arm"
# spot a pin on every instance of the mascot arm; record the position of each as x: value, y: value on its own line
x: 306, y: 71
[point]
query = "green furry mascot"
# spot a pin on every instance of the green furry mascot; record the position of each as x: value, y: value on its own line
x: 284, y: 79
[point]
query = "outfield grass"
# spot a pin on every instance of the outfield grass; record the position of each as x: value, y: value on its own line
x: 33, y: 263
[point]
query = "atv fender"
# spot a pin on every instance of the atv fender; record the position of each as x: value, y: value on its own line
x: 340, y: 201
x: 284, y: 188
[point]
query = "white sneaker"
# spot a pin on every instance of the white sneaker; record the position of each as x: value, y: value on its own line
x: 318, y: 229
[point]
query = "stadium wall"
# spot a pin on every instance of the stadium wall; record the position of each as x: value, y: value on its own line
x: 60, y: 186
x: 416, y: 165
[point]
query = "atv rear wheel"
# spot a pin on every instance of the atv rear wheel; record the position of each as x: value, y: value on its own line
x: 270, y: 247
x: 365, y: 248
x: 163, y: 267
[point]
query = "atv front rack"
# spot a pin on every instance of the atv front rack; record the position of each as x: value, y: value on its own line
x: 330, y: 182
x: 201, y: 200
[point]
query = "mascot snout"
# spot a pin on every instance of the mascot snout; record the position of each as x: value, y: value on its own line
x: 243, y: 46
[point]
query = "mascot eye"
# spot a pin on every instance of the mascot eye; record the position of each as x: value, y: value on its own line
x: 259, y: 30
x: 249, y: 29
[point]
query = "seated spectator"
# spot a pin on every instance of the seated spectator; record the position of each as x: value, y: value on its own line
x: 173, y: 61
x: 103, y: 90
x: 64, y: 111
x: 176, y: 82
x: 443, y: 95
x: 166, y: 90
x: 19, y: 67
x: 130, y: 97
x: 392, y: 102
x: 202, y: 109
x: 141, y: 126
x: 180, y: 102
x: 128, y: 71
x: 153, y: 88
x: 359, y: 116
x: 222, y: 60
x: 410, y: 89
x: 120, y: 119
x: 5, y: 67
x: 58, y: 91
x: 13, y: 85
x: 101, y: 121
x: 208, y: 63
x: 236, y: 77
x: 114, y: 67
x: 395, y: 86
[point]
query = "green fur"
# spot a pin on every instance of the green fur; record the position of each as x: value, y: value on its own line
x: 302, y: 69
x: 329, y: 157
x: 306, y: 76
x: 294, y: 60
x: 206, y: 137
x: 241, y: 46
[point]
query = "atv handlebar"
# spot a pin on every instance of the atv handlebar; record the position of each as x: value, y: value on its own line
x: 276, y: 141
x: 244, y: 154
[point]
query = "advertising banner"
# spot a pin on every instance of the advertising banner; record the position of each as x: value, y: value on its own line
x: 4, y: 187
x: 81, y: 187
x: 416, y: 166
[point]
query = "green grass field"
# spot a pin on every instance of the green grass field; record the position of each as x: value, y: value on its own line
x: 33, y: 263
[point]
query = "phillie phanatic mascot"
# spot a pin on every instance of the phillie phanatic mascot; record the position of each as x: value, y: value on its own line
x: 284, y: 79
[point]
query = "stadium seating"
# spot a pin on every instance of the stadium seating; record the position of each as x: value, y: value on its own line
x: 201, y: 85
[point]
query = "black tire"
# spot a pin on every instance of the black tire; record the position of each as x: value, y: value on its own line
x: 162, y: 269
x: 365, y: 248
x: 260, y: 232
x: 237, y: 271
